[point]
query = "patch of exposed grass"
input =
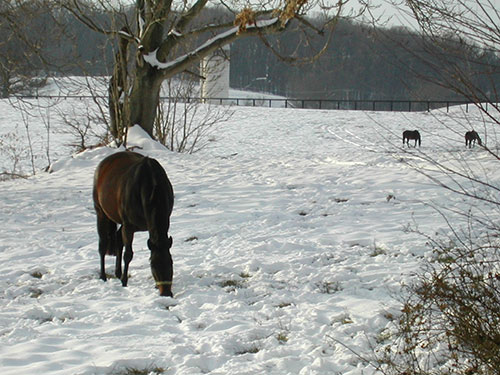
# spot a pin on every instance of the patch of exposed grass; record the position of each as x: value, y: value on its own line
x: 140, y: 371
x: 250, y: 350
x: 36, y: 274
x: 232, y: 284
x: 343, y: 319
x: 35, y: 292
x: 282, y: 337
x: 390, y: 197
x: 377, y: 251
x: 340, y: 200
x: 329, y: 287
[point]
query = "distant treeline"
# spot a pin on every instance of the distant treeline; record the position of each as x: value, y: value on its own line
x: 365, y: 63
x: 361, y: 62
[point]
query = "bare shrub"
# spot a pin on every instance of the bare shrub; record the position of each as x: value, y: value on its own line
x: 13, y: 151
x: 85, y: 126
x: 183, y: 124
x: 450, y: 320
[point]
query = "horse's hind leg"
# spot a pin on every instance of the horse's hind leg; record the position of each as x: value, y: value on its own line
x: 118, y: 246
x: 128, y: 237
x: 106, y: 230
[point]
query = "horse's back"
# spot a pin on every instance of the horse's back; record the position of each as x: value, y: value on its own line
x: 411, y: 134
x: 110, y: 179
x: 126, y: 185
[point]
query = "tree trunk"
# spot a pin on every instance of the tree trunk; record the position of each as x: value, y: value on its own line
x: 144, y: 98
x: 117, y: 90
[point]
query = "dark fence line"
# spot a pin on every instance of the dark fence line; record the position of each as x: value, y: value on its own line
x: 325, y: 104
x: 345, y: 104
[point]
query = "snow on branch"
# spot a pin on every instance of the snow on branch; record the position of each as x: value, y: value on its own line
x: 210, y: 45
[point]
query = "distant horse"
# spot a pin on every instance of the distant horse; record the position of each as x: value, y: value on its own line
x: 134, y: 191
x: 411, y: 134
x: 471, y: 137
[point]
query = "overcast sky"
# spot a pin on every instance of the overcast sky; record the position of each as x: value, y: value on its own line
x: 385, y: 11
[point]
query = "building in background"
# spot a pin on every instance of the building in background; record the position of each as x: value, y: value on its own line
x: 215, y: 72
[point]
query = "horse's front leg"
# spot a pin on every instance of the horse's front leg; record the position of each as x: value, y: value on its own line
x: 118, y: 246
x: 127, y: 237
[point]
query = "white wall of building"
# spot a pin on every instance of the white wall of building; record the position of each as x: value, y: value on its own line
x: 215, y: 71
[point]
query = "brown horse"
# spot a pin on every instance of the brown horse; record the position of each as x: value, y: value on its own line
x: 471, y: 137
x: 411, y: 134
x: 134, y: 191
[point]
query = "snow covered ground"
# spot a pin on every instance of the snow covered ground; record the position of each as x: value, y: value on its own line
x: 289, y: 247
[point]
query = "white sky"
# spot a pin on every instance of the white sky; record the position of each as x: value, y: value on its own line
x: 387, y: 12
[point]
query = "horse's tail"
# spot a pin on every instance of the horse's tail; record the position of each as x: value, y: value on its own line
x: 160, y: 188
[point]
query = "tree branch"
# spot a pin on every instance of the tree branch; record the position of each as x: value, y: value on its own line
x: 182, y: 63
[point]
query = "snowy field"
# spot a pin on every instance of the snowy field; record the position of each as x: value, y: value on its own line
x: 289, y: 246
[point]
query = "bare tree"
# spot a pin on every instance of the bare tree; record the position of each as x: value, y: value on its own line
x: 168, y: 38
x: 21, y: 52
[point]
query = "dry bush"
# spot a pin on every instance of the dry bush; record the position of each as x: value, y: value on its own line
x: 183, y: 124
x: 450, y: 321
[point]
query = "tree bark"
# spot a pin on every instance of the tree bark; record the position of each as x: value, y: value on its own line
x: 117, y: 90
x: 144, y: 98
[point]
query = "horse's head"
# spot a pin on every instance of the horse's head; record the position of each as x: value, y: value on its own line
x: 161, y: 265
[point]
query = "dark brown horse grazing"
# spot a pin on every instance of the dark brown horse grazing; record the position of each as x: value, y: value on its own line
x: 411, y: 134
x: 471, y: 137
x: 134, y: 191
